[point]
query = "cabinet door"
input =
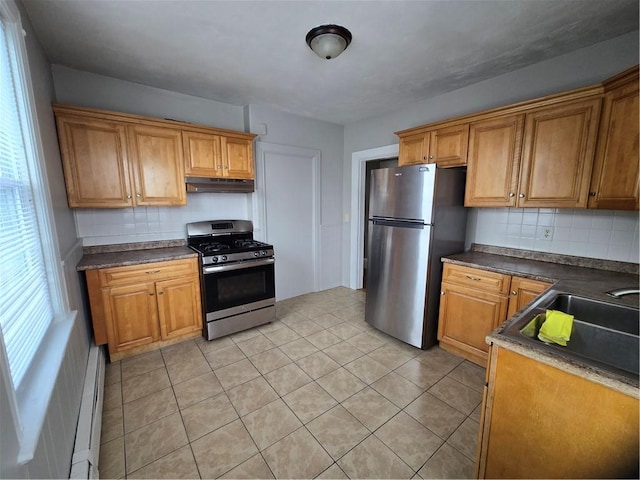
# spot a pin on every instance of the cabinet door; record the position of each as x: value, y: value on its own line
x: 535, y: 408
x: 414, y: 149
x: 494, y: 162
x: 179, y: 306
x: 94, y: 158
x: 614, y: 184
x: 523, y: 292
x: 203, y: 154
x: 466, y: 317
x: 238, y: 157
x: 158, y: 165
x: 130, y: 315
x: 449, y: 146
x: 558, y: 154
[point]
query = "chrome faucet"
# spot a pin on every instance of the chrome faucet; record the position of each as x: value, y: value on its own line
x: 621, y: 292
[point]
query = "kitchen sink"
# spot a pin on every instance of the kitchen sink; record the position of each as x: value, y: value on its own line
x: 604, y: 334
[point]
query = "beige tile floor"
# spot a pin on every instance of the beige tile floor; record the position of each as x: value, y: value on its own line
x: 316, y: 394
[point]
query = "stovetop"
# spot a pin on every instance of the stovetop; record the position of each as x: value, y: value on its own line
x: 225, y: 241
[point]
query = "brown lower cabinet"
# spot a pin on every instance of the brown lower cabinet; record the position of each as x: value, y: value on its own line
x: 538, y: 421
x: 138, y: 308
x: 473, y: 302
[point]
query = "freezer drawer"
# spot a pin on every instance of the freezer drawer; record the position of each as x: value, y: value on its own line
x: 396, y: 279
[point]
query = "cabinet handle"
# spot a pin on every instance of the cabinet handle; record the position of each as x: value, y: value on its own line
x: 138, y: 195
x: 513, y: 292
x: 153, y: 271
x: 442, y: 293
x: 477, y: 279
x: 592, y: 194
x: 511, y: 194
x: 226, y: 168
x: 430, y: 157
x: 151, y: 294
x: 128, y: 196
x: 521, y: 195
x: 160, y: 293
x: 218, y: 167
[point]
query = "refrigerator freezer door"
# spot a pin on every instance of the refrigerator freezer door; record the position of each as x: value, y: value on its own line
x: 403, y: 192
x: 396, y: 279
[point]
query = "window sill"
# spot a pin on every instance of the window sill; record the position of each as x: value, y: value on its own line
x: 34, y: 394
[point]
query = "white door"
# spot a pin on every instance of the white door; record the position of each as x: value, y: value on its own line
x: 287, y: 188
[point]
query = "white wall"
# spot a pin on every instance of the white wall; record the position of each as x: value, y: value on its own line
x: 293, y: 130
x: 576, y: 69
x: 76, y: 87
x: 52, y: 458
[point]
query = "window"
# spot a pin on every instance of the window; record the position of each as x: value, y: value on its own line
x: 35, y: 321
x: 25, y: 304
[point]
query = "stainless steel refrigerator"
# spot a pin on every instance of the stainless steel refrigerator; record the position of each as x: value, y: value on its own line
x: 416, y: 216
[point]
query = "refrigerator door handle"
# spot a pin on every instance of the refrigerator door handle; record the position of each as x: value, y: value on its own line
x: 392, y: 222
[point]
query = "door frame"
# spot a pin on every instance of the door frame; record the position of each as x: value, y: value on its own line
x: 259, y: 204
x: 356, y: 250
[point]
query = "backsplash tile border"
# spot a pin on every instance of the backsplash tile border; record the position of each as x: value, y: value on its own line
x: 586, y: 262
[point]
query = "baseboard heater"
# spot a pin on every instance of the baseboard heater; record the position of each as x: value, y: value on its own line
x: 86, y: 452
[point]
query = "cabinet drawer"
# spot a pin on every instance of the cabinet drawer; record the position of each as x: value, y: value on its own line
x: 147, y: 272
x: 476, y: 278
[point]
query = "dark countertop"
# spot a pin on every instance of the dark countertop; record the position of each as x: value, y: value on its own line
x: 133, y: 257
x: 579, y: 280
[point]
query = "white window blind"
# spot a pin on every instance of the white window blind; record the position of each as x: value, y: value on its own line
x: 25, y: 302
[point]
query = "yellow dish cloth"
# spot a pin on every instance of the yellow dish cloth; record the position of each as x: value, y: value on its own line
x: 556, y: 328
x: 531, y: 329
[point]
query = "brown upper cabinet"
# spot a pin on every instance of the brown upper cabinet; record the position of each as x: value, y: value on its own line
x: 557, y: 155
x: 217, y: 156
x: 552, y: 152
x: 493, y: 167
x: 446, y: 146
x: 116, y: 160
x: 541, y: 157
x: 614, y: 183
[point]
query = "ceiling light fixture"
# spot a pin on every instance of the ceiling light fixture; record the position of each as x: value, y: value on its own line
x: 328, y: 41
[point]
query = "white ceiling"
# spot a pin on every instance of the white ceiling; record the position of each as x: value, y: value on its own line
x: 254, y: 52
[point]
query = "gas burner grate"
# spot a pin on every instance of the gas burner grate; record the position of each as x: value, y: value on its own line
x: 213, y: 247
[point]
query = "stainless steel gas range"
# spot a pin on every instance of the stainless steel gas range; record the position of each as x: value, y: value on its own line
x: 237, y: 276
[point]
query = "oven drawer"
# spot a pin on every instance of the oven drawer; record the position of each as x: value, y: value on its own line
x: 148, y: 272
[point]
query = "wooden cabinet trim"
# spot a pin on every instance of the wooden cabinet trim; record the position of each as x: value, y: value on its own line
x: 139, y: 119
x: 97, y: 308
x: 594, y: 91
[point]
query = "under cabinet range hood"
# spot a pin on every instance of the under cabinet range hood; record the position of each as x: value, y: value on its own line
x: 218, y: 185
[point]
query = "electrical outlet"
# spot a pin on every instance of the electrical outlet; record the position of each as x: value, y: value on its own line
x: 545, y: 233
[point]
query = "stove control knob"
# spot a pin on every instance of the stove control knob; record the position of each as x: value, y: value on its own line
x: 214, y: 259
x: 263, y: 253
x: 255, y: 254
x: 224, y: 258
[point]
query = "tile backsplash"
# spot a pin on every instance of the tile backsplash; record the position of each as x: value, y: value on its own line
x: 606, y: 234
x: 143, y: 224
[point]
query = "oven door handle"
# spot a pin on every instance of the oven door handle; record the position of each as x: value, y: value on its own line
x: 238, y: 266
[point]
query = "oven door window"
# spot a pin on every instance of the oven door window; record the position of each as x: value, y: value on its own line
x: 238, y: 287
